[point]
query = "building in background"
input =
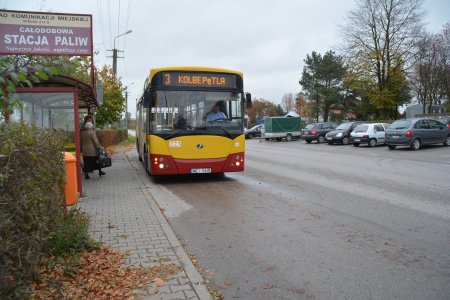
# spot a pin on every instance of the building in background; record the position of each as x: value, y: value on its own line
x: 417, y: 109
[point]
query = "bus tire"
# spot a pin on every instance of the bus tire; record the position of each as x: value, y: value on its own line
x: 288, y: 137
x: 147, y: 169
x: 137, y: 147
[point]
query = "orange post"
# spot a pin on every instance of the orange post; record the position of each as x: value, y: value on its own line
x: 71, y: 190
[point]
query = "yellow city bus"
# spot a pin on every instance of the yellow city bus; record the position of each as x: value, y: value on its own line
x: 175, y: 133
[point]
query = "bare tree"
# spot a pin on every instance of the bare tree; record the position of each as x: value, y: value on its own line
x: 426, y: 77
x: 382, y: 36
x: 288, y: 102
x: 431, y: 73
x: 444, y: 55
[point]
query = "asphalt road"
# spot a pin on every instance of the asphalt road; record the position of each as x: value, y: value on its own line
x: 314, y: 221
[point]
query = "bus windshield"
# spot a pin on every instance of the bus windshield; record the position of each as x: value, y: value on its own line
x: 196, y: 112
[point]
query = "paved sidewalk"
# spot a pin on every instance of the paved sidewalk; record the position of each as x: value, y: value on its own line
x: 125, y: 216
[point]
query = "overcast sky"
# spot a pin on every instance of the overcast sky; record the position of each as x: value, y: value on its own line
x: 267, y: 40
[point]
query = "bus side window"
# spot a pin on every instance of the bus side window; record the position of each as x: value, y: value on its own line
x: 147, y: 99
x: 144, y: 119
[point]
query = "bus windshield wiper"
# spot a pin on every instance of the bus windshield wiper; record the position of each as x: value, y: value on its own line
x: 176, y: 133
x: 227, y: 132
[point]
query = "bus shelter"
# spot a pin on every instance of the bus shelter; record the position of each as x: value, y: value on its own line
x: 61, y: 102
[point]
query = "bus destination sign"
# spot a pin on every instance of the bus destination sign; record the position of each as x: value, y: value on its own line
x: 213, y: 80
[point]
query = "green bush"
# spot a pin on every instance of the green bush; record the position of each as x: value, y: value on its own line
x: 34, y: 224
x: 71, y: 236
x: 32, y: 179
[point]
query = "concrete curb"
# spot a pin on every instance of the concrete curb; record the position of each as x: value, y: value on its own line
x: 194, y: 276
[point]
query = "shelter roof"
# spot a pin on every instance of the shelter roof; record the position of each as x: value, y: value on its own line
x: 86, y: 93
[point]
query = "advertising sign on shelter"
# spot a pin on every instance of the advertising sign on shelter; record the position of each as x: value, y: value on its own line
x: 45, y: 33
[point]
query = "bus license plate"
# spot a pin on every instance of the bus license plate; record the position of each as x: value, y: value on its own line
x: 200, y: 170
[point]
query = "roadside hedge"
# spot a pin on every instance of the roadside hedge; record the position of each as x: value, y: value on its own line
x: 108, y: 137
x: 32, y: 178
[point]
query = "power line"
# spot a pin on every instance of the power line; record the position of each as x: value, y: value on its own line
x: 118, y: 20
x: 125, y: 39
x: 109, y: 22
x: 126, y: 24
x: 101, y: 23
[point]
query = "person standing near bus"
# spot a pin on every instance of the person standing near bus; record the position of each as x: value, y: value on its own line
x: 89, y: 147
x: 87, y: 118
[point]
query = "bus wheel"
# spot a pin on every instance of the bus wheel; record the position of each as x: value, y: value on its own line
x: 288, y: 138
x: 137, y: 148
x: 147, y: 169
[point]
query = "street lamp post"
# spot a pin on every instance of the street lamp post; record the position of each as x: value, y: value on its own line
x: 115, y: 53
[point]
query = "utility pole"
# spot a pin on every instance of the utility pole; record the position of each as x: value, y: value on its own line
x: 126, y: 105
x: 126, y: 110
x: 115, y: 52
x: 115, y: 57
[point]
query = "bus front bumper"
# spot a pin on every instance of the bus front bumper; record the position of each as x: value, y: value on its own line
x: 167, y: 165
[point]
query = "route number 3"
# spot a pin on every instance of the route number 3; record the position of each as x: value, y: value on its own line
x: 166, y: 79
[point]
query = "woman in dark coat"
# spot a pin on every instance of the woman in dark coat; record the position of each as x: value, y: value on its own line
x: 90, y: 147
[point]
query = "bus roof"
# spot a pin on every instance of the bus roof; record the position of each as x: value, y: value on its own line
x: 195, y: 69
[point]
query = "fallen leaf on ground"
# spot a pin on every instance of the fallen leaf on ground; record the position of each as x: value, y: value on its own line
x: 100, y: 274
x: 158, y: 281
x: 267, y: 286
x: 225, y: 285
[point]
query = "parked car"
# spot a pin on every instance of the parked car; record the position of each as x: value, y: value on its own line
x: 371, y: 134
x: 444, y: 120
x: 341, y: 134
x: 317, y: 131
x: 253, y: 132
x: 417, y: 132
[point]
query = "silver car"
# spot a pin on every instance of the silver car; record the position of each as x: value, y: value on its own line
x: 416, y: 132
x: 371, y: 134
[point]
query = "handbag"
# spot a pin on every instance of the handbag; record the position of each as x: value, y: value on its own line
x: 103, y: 160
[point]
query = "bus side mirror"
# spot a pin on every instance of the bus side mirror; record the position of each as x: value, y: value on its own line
x: 248, y: 100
